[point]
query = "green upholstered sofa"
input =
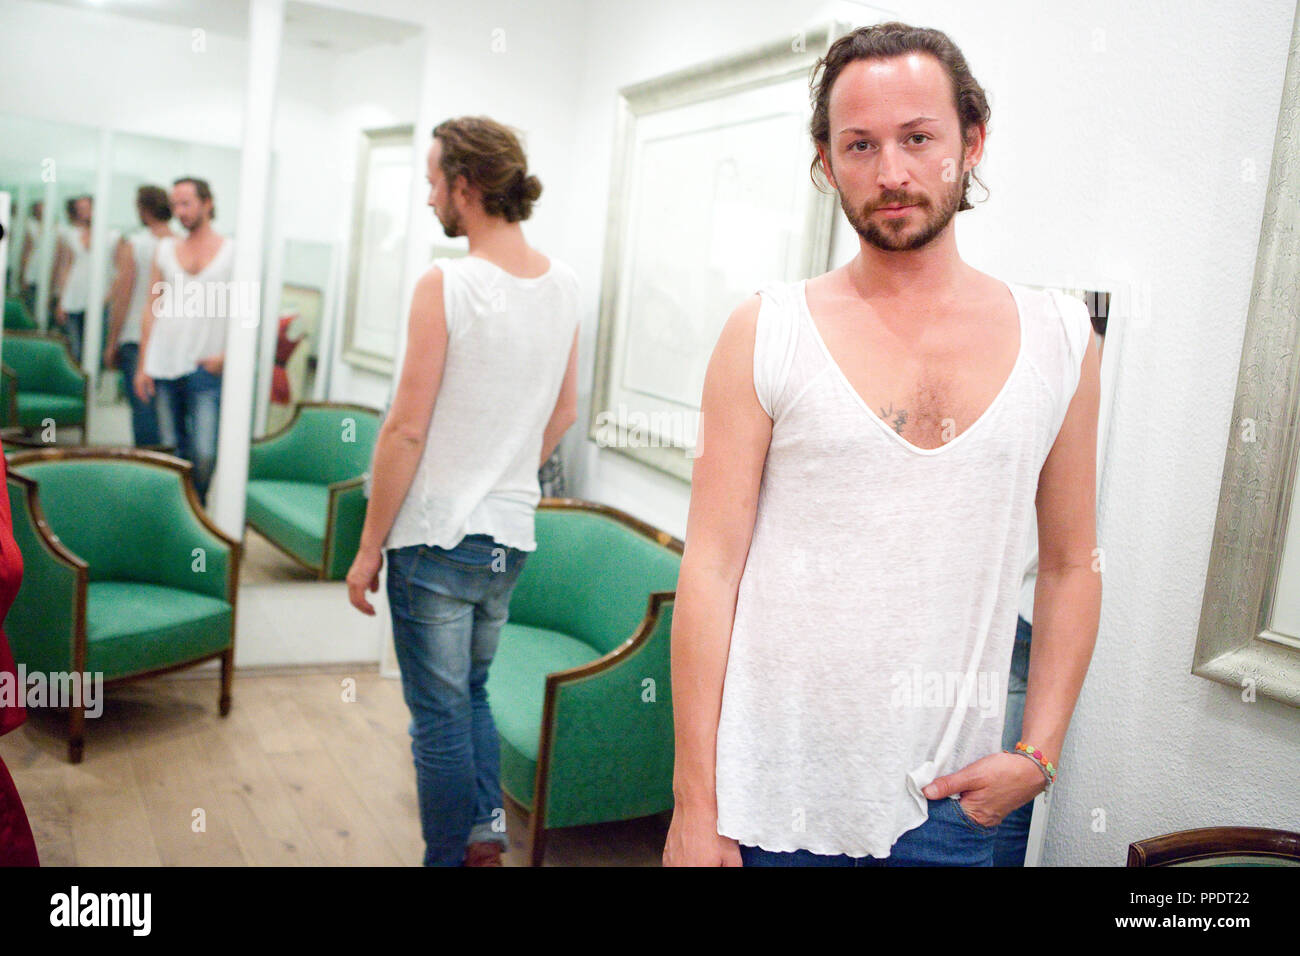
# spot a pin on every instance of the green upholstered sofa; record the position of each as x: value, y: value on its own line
x: 580, y: 687
x: 124, y: 574
x: 305, y: 484
x: 17, y: 316
x: 42, y: 381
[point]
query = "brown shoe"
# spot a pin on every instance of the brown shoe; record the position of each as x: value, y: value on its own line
x: 483, y: 854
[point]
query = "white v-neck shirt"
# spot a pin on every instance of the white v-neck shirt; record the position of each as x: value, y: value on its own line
x: 508, y: 344
x: 191, y: 324
x: 877, y: 609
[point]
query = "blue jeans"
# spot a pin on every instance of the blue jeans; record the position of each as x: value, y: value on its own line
x: 144, y: 415
x: 189, y: 413
x: 448, y: 607
x: 1013, y: 832
x: 76, y: 322
x: 948, y: 837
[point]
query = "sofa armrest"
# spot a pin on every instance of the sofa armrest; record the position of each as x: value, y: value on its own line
x: 275, y: 457
x: 606, y: 748
x: 8, y: 396
x: 65, y: 378
x: 219, y: 577
x: 46, y: 624
x: 346, y: 519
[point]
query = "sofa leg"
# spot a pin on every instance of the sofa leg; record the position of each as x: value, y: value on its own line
x: 227, y: 677
x: 536, y: 840
x: 76, y: 733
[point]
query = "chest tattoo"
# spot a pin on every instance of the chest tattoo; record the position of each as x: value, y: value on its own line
x: 896, y: 418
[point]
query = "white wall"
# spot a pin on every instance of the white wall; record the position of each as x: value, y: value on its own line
x: 521, y: 65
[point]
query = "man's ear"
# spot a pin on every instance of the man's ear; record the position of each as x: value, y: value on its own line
x: 973, y: 148
x: 826, y: 166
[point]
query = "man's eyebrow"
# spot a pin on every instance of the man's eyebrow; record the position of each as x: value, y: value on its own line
x: 908, y: 125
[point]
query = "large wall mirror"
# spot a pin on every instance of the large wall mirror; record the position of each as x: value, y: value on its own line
x: 1250, y: 618
x: 44, y: 166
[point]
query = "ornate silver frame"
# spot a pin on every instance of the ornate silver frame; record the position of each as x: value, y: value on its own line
x: 1236, y: 643
x: 352, y: 352
x: 757, y: 66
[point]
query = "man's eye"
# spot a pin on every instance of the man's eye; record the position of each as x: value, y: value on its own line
x: 922, y: 135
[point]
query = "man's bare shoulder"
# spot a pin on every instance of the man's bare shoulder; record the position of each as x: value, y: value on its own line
x: 739, y: 330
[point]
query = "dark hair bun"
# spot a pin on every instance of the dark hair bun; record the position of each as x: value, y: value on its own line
x: 528, y: 188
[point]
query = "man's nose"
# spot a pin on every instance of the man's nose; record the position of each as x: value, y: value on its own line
x: 892, y: 172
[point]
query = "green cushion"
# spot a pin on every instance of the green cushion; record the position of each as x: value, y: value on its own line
x: 516, y: 690
x: 35, y: 407
x: 590, y: 577
x: 293, y: 514
x: 132, y: 628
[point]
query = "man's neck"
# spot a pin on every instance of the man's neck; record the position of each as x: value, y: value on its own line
x: 492, y: 237
x: 933, y: 273
x: 202, y: 232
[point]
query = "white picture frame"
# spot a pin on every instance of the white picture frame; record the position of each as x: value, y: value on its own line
x: 710, y: 197
x: 381, y: 220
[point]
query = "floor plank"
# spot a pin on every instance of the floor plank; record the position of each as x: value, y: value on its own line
x: 295, y: 775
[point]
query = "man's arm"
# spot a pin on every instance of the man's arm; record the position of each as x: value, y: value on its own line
x: 733, y: 440
x: 62, y: 261
x: 565, y: 412
x: 119, y: 296
x: 143, y: 384
x: 1065, y: 622
x: 403, y: 434
x: 1067, y: 595
x: 29, y: 250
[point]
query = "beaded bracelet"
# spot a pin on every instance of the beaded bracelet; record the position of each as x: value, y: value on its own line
x: 1041, y: 768
x: 1038, y: 757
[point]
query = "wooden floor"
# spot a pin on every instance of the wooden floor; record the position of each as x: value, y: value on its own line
x: 293, y: 776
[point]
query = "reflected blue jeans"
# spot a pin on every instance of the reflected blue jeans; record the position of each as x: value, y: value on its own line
x: 948, y: 837
x: 1013, y: 832
x: 448, y: 608
x: 73, y: 330
x: 144, y: 415
x: 189, y: 415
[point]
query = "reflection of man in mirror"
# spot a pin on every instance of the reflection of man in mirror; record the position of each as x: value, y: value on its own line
x: 127, y: 300
x: 183, y: 330
x: 72, y: 272
x: 33, y: 230
x: 488, y: 387
x: 875, y: 441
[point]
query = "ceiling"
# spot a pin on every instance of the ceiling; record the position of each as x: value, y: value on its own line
x: 305, y: 24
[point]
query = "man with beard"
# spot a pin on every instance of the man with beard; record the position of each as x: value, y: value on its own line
x: 488, y: 388
x: 874, y: 440
x: 182, y: 348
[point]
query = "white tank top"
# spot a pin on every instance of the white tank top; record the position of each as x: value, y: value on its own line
x: 76, y: 283
x: 877, y: 609
x: 190, y: 317
x: 143, y: 246
x: 36, y: 230
x: 508, y: 342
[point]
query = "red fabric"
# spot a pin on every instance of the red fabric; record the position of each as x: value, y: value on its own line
x: 281, y: 392
x: 17, y: 846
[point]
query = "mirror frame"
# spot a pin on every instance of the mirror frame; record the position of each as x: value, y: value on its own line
x: 1236, y: 643
x: 356, y: 352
